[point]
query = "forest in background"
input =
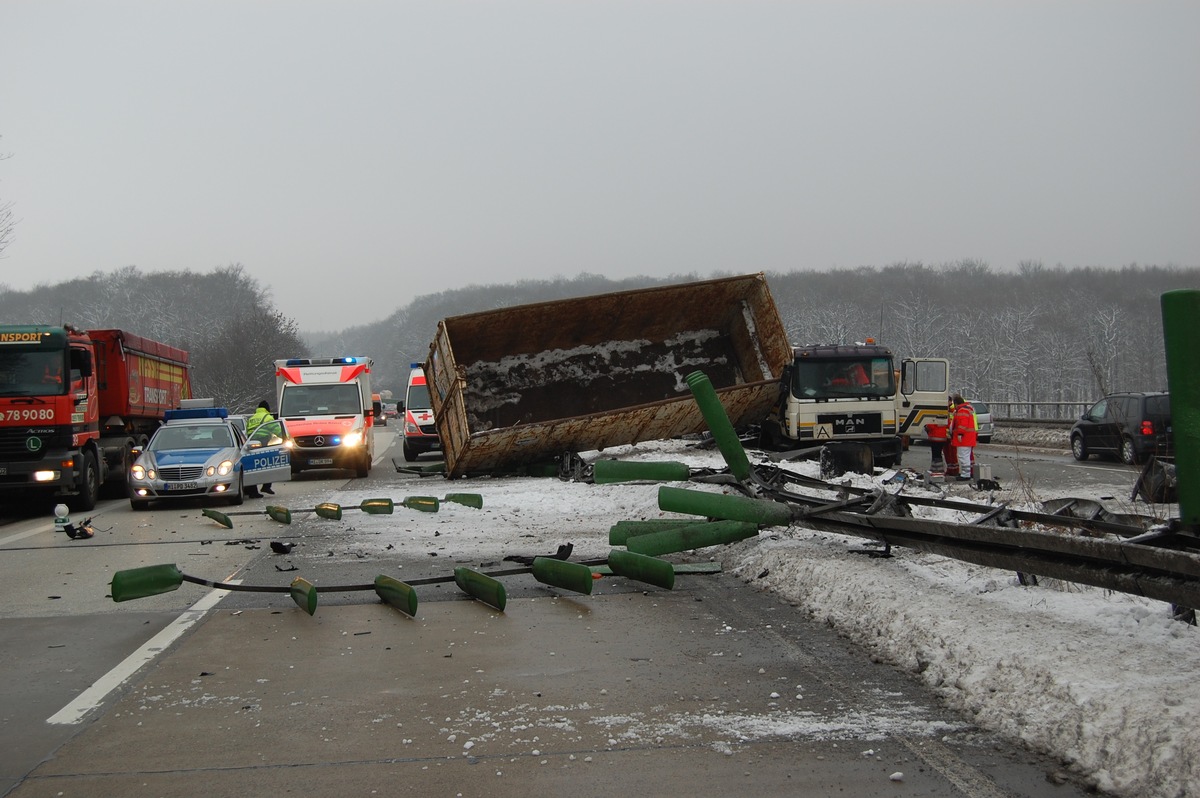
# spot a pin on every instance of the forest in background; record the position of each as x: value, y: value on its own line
x: 1034, y: 335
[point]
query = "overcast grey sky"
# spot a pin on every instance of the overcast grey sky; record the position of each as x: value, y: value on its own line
x: 354, y: 154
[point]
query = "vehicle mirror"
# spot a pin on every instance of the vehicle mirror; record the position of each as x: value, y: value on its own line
x: 81, y: 361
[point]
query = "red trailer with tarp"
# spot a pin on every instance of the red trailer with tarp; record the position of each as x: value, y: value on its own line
x: 74, y: 405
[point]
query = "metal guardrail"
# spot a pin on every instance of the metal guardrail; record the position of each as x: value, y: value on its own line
x: 1051, y: 411
x: 1060, y: 423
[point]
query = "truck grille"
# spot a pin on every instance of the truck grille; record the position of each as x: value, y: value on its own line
x: 19, y: 444
x: 180, y: 473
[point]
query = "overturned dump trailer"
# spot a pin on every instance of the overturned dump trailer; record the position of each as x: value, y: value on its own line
x: 525, y: 384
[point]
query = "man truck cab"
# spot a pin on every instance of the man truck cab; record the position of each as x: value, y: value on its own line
x: 855, y: 393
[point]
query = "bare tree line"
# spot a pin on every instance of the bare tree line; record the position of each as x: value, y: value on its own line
x: 1035, y: 335
x: 224, y: 320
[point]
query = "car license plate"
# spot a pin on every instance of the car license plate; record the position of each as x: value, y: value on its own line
x: 321, y: 461
x: 170, y: 486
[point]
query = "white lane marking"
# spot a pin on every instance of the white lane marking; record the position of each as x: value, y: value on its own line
x: 4, y: 541
x: 94, y: 696
x: 39, y: 525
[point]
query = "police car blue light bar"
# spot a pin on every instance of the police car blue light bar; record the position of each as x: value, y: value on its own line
x: 196, y: 412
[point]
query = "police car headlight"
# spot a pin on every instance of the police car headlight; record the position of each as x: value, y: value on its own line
x: 138, y: 472
x: 225, y: 468
x: 353, y: 439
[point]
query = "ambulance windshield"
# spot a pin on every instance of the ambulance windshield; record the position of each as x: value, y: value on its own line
x: 331, y: 399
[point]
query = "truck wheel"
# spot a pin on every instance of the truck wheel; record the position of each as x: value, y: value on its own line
x: 118, y: 487
x: 364, y: 466
x: 410, y: 454
x: 769, y: 437
x: 85, y: 500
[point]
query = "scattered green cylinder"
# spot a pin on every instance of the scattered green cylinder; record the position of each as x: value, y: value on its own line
x: 1180, y: 310
x: 480, y: 586
x: 304, y: 593
x: 396, y: 594
x: 729, y: 508
x: 696, y: 536
x: 281, y: 514
x: 571, y: 576
x: 330, y: 510
x: 149, y: 580
x: 467, y: 499
x: 377, y: 506
x: 220, y: 518
x: 641, y: 568
x: 426, y: 504
x: 622, y: 531
x: 719, y: 424
x: 608, y: 471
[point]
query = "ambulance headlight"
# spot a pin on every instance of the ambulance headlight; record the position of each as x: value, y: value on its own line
x: 352, y: 439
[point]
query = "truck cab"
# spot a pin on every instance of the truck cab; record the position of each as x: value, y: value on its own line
x: 833, y: 393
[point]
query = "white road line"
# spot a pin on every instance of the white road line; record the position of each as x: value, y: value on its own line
x: 4, y: 541
x: 94, y: 696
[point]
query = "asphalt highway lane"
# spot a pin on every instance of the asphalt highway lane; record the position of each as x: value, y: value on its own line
x: 634, y: 689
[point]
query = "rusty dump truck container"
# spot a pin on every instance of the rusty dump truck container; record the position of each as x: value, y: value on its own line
x: 526, y: 384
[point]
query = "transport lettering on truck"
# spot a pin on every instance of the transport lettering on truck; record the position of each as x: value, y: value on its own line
x: 326, y: 404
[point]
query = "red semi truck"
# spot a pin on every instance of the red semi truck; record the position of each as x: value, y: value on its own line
x: 74, y: 405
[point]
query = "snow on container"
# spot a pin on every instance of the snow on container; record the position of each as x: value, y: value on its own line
x: 526, y: 384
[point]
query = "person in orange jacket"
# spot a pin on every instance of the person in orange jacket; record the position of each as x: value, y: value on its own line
x: 963, y: 434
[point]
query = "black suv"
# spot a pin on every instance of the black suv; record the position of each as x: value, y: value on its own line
x: 1131, y: 426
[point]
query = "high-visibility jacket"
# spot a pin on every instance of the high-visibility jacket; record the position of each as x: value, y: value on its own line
x: 964, y: 425
x: 259, y: 417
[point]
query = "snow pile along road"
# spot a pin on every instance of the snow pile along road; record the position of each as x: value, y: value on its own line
x: 1103, y: 681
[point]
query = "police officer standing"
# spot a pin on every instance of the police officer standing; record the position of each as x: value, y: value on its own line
x: 261, y: 415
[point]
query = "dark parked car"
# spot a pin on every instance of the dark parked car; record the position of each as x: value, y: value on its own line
x: 1131, y: 426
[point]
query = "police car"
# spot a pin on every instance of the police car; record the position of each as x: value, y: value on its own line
x: 202, y: 452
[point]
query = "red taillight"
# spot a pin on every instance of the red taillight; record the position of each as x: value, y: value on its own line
x: 1147, y: 428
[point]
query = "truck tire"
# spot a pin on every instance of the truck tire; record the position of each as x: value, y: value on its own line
x: 364, y: 466
x: 117, y: 486
x: 410, y: 454
x: 89, y: 489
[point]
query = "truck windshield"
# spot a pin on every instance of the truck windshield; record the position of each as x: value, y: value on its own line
x: 32, y: 372
x: 843, y: 378
x: 332, y: 399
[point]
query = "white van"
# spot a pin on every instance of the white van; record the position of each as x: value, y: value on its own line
x: 420, y: 433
